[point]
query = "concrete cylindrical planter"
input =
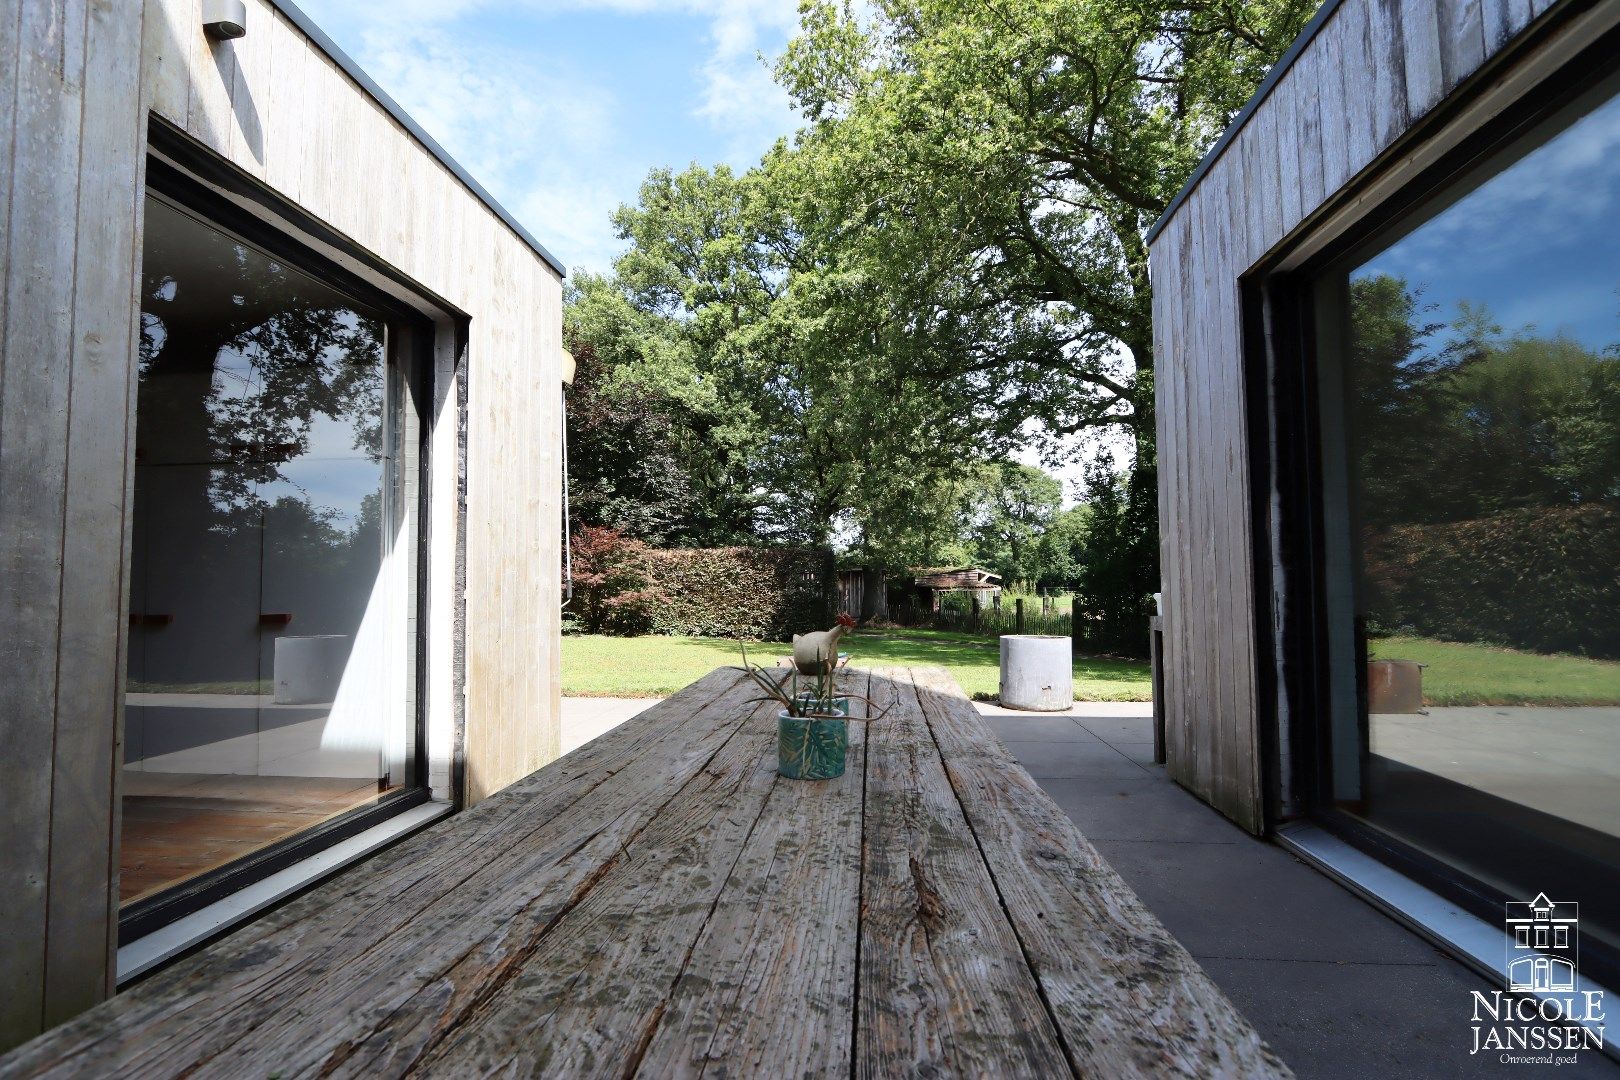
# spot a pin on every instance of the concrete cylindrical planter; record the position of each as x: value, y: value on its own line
x: 308, y: 668
x: 811, y: 747
x: 1037, y: 672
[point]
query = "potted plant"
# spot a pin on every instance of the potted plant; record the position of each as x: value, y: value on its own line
x: 812, y: 726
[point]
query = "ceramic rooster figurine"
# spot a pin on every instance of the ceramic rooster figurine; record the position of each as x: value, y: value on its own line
x: 812, y: 651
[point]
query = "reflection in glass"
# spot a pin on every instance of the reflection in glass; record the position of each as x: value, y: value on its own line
x: 1470, y: 368
x: 265, y: 621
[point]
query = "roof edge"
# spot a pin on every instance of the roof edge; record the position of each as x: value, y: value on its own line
x: 308, y: 27
x: 1273, y: 77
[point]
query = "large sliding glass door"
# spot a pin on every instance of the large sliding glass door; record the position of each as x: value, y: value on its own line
x: 271, y: 659
x: 1468, y: 365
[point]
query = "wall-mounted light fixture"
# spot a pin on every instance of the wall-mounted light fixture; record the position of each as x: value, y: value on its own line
x: 224, y: 19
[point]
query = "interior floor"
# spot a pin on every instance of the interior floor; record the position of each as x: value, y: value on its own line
x: 179, y: 825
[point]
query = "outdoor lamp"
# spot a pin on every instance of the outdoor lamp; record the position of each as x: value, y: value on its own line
x: 224, y: 19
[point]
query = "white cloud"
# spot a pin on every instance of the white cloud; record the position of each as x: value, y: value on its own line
x: 740, y: 99
x: 549, y: 147
x: 1561, y: 193
x: 543, y: 145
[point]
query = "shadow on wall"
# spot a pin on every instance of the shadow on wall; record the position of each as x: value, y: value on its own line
x: 179, y: 50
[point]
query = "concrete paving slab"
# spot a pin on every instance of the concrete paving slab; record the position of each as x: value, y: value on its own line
x: 1138, y: 808
x: 1139, y: 752
x: 1058, y: 761
x: 587, y: 718
x: 1336, y: 1021
x: 1080, y: 708
x: 1034, y: 727
x: 1338, y: 988
x: 1119, y: 728
x: 1253, y: 900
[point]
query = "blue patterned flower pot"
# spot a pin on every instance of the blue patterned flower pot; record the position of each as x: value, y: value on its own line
x: 811, y: 748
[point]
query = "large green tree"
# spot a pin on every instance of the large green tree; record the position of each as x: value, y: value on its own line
x: 994, y: 165
x: 825, y: 434
x: 1008, y: 518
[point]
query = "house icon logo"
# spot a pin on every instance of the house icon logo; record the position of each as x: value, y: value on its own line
x: 1543, y: 946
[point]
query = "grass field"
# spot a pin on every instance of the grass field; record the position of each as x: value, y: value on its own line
x: 1485, y: 675
x: 1457, y: 674
x: 653, y: 666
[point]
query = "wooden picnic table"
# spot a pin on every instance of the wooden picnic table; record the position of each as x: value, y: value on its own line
x: 660, y: 902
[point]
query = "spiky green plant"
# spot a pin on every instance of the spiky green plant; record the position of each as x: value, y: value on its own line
x: 815, y: 702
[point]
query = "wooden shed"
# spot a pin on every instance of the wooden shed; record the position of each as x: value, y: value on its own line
x: 1420, y: 199
x: 932, y: 584
x: 280, y: 475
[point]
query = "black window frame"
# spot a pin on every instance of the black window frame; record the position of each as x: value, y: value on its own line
x: 192, y: 178
x: 1284, y: 436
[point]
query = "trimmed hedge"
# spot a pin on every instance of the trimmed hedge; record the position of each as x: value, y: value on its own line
x: 742, y: 592
x: 1545, y: 579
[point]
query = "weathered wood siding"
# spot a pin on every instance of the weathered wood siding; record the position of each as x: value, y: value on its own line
x: 1372, y: 70
x: 79, y: 79
x: 70, y: 142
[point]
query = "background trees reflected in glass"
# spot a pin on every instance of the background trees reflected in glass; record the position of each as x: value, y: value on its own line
x: 1470, y: 374
x: 261, y: 504
x: 1484, y: 455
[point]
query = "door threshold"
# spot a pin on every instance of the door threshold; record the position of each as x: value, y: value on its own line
x: 1459, y: 933
x: 163, y: 944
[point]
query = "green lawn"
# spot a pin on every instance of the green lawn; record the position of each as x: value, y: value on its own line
x: 1486, y: 675
x: 653, y: 666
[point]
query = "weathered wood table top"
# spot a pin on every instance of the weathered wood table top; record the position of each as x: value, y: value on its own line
x: 660, y: 902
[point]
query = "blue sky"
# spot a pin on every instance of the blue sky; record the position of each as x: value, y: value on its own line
x: 560, y: 107
x: 1536, y: 243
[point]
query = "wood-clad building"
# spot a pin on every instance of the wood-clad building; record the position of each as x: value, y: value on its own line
x: 280, y: 482
x: 1364, y: 301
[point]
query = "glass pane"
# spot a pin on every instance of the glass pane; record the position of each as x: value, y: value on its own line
x: 265, y: 611
x: 1471, y: 411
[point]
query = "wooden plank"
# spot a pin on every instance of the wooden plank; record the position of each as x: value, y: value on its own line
x: 1227, y: 606
x: 1306, y: 77
x: 211, y: 71
x: 1387, y: 54
x: 1360, y: 83
x: 9, y: 59
x: 252, y: 77
x: 1285, y: 106
x: 1185, y: 621
x: 781, y: 933
x: 1266, y: 198
x: 82, y: 915
x: 580, y: 991
x: 937, y: 956
x: 285, y: 135
x: 1178, y: 657
x: 1129, y: 999
x: 1336, y: 163
x: 1219, y: 295
x: 165, y: 61
x: 35, y: 338
x: 399, y: 921
x: 1238, y: 738
x: 1211, y: 685
x: 1420, y: 44
x: 1462, y: 41
x: 1501, y: 19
